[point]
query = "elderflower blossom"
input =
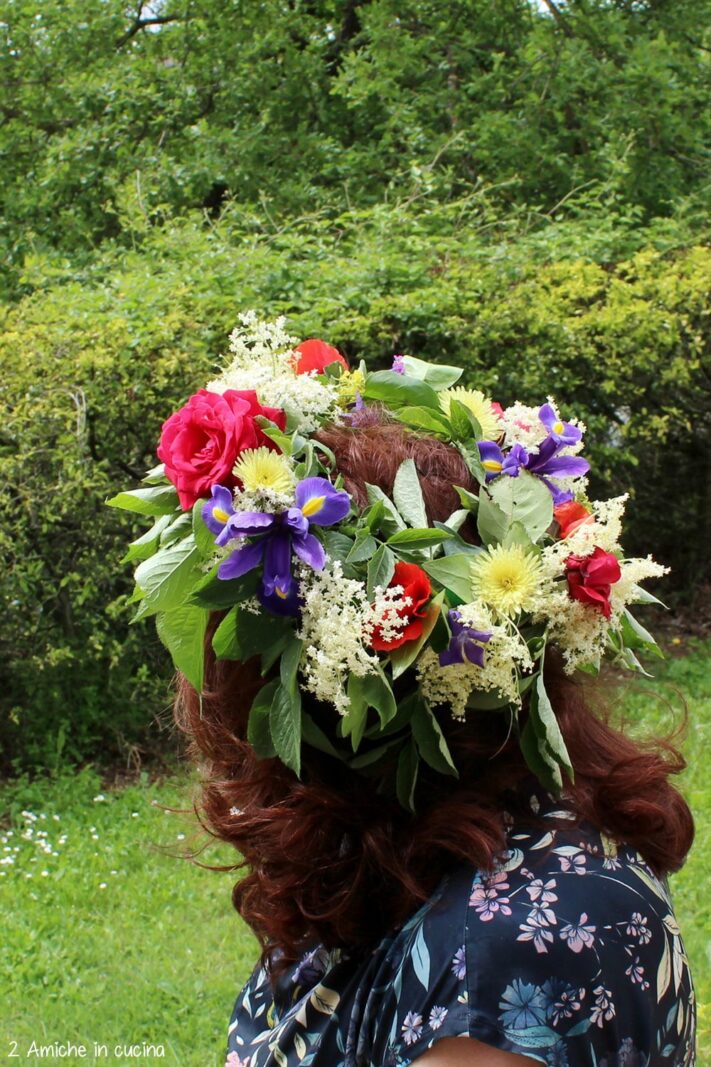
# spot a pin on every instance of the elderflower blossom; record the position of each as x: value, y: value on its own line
x: 337, y: 624
x: 506, y: 654
x: 604, y: 533
x: 522, y: 425
x: 262, y: 359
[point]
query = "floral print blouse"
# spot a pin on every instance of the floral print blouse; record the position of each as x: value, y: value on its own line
x: 568, y: 952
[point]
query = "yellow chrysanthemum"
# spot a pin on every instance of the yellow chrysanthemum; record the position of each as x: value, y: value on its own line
x: 262, y: 468
x: 506, y: 578
x: 478, y: 404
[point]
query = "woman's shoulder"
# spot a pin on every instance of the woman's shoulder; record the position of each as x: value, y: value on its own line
x: 568, y: 944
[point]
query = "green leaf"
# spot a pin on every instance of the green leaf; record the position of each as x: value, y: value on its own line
x: 313, y: 735
x: 487, y: 700
x: 399, y: 390
x: 424, y: 538
x: 524, y: 499
x: 425, y: 419
x: 145, y: 545
x: 517, y: 535
x: 354, y: 721
x: 438, y: 375
x: 430, y: 740
x: 338, y: 545
x: 182, y: 631
x: 380, y: 569
x: 408, y: 765
x: 407, y: 495
x: 155, y: 476
x: 366, y: 759
x: 168, y: 576
x: 491, y: 520
x: 539, y: 759
x: 363, y: 547
x: 392, y: 519
x: 225, y: 642
x: 158, y: 500
x: 454, y: 573
x: 258, y: 731
x: 213, y: 592
x: 636, y: 636
x: 467, y: 498
x: 401, y: 658
x: 286, y: 442
x: 285, y: 726
x: 373, y: 516
x: 204, y: 538
x: 472, y: 458
x: 465, y: 426
x: 545, y: 725
x: 373, y: 691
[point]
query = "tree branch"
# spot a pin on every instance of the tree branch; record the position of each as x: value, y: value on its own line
x: 140, y: 24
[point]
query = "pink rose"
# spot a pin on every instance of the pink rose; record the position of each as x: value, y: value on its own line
x: 200, y: 443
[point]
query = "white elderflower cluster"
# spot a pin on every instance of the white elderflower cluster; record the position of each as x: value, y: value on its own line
x: 270, y: 500
x: 506, y: 655
x: 262, y: 360
x: 522, y: 425
x: 337, y: 624
x: 604, y: 532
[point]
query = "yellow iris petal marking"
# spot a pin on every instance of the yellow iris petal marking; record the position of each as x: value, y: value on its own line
x: 558, y: 427
x: 279, y: 593
x: 313, y: 506
x: 220, y: 514
x: 491, y: 465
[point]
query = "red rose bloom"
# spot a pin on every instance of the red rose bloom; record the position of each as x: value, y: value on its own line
x: 590, y: 579
x: 416, y: 585
x: 571, y: 515
x: 317, y: 355
x: 200, y: 443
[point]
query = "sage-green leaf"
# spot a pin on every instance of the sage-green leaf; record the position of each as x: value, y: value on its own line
x: 380, y: 569
x: 168, y: 576
x: 145, y: 545
x: 157, y: 500
x: 430, y: 740
x: 454, y: 573
x: 182, y: 631
x: 438, y: 375
x: 399, y: 390
x: 407, y: 495
x: 420, y: 538
x: 392, y: 520
x: 425, y: 419
x: 524, y: 499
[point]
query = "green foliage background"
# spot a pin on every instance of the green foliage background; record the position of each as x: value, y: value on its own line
x: 516, y: 187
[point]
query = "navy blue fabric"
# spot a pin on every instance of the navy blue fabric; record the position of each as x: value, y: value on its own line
x: 568, y: 952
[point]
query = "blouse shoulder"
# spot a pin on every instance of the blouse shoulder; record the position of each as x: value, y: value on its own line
x: 567, y: 952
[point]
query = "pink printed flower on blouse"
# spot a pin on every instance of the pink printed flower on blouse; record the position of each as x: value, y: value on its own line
x: 535, y: 929
x: 578, y: 935
x: 604, y: 1009
x: 636, y: 972
x: 637, y: 927
x: 573, y: 862
x: 542, y: 892
x: 459, y: 963
x: 411, y: 1027
x: 233, y: 1060
x: 568, y: 1001
x: 485, y: 897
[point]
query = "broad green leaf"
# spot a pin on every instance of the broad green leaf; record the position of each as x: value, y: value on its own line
x: 380, y: 569
x: 468, y: 499
x: 158, y: 500
x: 182, y: 631
x: 289, y: 666
x: 407, y: 495
x: 313, y: 735
x: 438, y: 375
x: 204, y: 538
x: 225, y: 642
x: 636, y: 636
x: 354, y: 721
x: 539, y: 759
x: 373, y: 691
x: 145, y: 545
x: 454, y: 573
x: 392, y: 519
x: 424, y: 419
x: 430, y: 740
x: 423, y: 538
x: 288, y: 443
x: 258, y: 731
x: 545, y: 725
x: 285, y: 726
x: 491, y: 520
x: 338, y: 545
x: 155, y: 476
x: 471, y: 456
x: 524, y: 499
x: 213, y: 592
x: 465, y: 426
x: 168, y: 577
x: 363, y: 547
x: 399, y: 390
x: 366, y: 759
x: 487, y: 700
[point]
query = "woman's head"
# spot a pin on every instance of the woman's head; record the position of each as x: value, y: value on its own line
x: 333, y: 855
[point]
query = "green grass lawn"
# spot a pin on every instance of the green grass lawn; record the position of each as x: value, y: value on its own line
x: 107, y: 938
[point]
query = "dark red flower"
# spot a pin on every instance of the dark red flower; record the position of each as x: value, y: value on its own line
x: 416, y: 585
x: 200, y: 443
x: 590, y: 578
x: 570, y: 515
x: 317, y: 355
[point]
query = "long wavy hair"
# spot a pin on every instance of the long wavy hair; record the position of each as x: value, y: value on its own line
x: 331, y: 860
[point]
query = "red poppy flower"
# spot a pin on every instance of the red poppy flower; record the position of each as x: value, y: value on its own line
x: 570, y: 516
x: 591, y: 577
x: 317, y: 355
x: 416, y: 585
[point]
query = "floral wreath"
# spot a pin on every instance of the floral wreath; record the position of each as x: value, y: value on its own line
x: 250, y: 518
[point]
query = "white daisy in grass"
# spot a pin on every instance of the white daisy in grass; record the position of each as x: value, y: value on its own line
x: 479, y: 405
x: 506, y: 578
x: 260, y: 469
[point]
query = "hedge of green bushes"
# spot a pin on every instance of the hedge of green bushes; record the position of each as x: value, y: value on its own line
x: 90, y: 365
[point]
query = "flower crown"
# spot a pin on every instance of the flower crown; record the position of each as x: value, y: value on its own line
x: 250, y: 518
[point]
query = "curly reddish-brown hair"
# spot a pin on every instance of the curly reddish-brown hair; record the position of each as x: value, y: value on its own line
x: 331, y: 859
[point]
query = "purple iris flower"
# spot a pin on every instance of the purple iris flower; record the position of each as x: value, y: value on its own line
x: 465, y: 642
x: 217, y: 511
x: 398, y: 364
x: 276, y: 537
x: 547, y: 464
x: 495, y: 462
x: 563, y: 433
